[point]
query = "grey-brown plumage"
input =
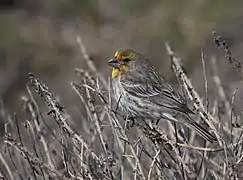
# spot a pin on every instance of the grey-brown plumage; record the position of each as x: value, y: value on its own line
x: 144, y: 93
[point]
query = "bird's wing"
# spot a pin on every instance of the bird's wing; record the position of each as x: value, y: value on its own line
x: 154, y: 87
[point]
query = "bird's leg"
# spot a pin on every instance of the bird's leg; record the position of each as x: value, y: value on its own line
x: 130, y: 121
x: 157, y: 122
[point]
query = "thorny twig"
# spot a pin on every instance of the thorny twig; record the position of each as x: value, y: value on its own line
x: 222, y: 44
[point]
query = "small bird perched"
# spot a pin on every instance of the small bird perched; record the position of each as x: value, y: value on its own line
x: 143, y: 93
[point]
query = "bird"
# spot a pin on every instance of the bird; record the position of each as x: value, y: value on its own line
x: 141, y: 92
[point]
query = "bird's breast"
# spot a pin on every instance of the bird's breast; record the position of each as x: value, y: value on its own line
x: 132, y: 105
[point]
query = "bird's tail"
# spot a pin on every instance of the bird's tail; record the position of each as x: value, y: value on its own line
x: 201, y: 131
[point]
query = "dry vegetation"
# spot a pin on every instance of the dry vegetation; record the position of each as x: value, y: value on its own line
x: 48, y: 146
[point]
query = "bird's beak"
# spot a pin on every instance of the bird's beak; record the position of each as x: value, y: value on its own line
x: 114, y: 63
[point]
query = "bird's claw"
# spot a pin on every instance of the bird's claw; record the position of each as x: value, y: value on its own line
x: 130, y: 122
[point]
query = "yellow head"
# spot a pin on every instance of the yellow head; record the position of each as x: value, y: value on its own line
x: 121, y: 61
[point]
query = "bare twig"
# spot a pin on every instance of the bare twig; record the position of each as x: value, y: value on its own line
x: 90, y: 62
x: 5, y: 164
x: 152, y: 164
x: 205, y: 80
x: 222, y: 44
x: 193, y: 95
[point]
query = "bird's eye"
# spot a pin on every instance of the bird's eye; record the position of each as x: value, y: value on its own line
x: 126, y: 60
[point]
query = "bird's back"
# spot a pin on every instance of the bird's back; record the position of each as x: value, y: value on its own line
x: 147, y: 94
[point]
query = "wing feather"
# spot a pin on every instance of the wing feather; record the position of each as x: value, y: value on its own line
x: 154, y: 87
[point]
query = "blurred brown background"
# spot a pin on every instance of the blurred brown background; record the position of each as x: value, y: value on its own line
x: 39, y: 36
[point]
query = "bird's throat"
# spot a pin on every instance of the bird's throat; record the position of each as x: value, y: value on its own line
x: 117, y: 70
